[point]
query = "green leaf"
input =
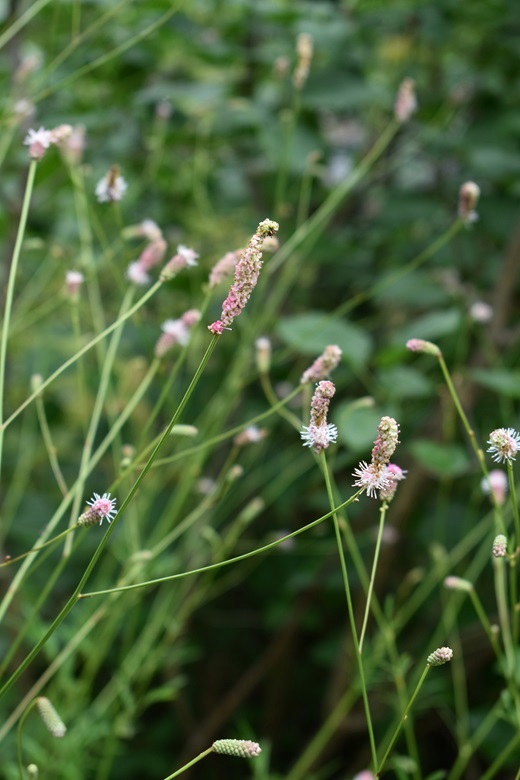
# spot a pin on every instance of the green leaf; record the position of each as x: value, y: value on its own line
x: 311, y: 333
x: 502, y: 381
x: 432, y: 326
x: 405, y: 382
x: 445, y: 460
x: 357, y: 428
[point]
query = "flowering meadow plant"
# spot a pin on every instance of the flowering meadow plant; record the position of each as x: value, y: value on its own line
x: 258, y: 393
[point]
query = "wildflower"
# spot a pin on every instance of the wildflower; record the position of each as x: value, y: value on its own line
x: 365, y: 775
x: 504, y: 444
x: 481, y: 312
x: 496, y: 484
x: 73, y: 281
x: 251, y: 435
x: 50, y: 717
x: 111, y: 187
x: 100, y: 507
x: 440, y: 656
x: 263, y: 354
x: 323, y: 365
x: 319, y: 434
x: 152, y: 254
x: 419, y: 345
x: 61, y: 134
x: 185, y: 258
x: 499, y: 549
x: 32, y: 772
x: 374, y: 476
x: 241, y: 748
x: 136, y: 274
x: 469, y: 194
x: 246, y: 276
x: 457, y: 583
x: 38, y: 142
x: 304, y: 50
x: 270, y: 244
x: 393, y: 474
x: 223, y: 268
x: 176, y: 332
x: 405, y: 102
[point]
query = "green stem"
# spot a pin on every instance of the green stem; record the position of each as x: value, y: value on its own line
x: 19, y: 738
x: 238, y: 558
x: 190, y: 763
x: 350, y: 607
x: 514, y: 505
x: 50, y: 446
x: 22, y: 21
x: 402, y: 721
x: 10, y: 293
x: 80, y: 354
x: 86, y: 574
x: 382, y: 516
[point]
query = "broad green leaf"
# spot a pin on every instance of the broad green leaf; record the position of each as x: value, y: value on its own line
x: 311, y: 333
x: 405, y: 382
x: 500, y: 380
x: 357, y: 428
x: 433, y: 326
x: 446, y: 460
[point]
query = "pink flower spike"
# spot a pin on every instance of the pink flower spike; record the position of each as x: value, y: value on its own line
x: 419, y: 345
x: 495, y: 483
x: 152, y: 254
x: 111, y: 187
x: 505, y: 443
x: 73, y: 281
x: 319, y: 434
x: 406, y: 102
x: 247, y: 271
x: 370, y: 479
x: 189, y: 255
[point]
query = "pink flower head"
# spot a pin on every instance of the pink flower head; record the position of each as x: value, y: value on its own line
x: 247, y: 271
x: 73, y: 145
x: 440, y: 656
x: 61, y: 134
x: 323, y: 365
x: 251, y: 435
x: 185, y: 258
x: 405, y: 102
x: 496, y: 484
x: 100, y: 508
x: 176, y: 332
x: 419, y: 345
x: 375, y: 475
x: 111, y: 187
x: 319, y: 434
x: 393, y: 474
x: 136, y: 274
x: 38, y: 142
x: 504, y: 444
x: 152, y: 254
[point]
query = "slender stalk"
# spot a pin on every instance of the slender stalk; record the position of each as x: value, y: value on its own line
x: 19, y: 738
x: 402, y: 721
x: 92, y: 563
x: 80, y: 354
x: 22, y: 20
x: 514, y: 504
x: 382, y: 516
x: 190, y: 763
x: 10, y: 293
x: 49, y: 446
x: 350, y: 607
x: 256, y: 551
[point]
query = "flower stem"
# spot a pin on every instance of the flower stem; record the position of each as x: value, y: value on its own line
x: 10, y: 293
x: 190, y: 763
x: 402, y: 721
x: 382, y: 516
x: 350, y: 607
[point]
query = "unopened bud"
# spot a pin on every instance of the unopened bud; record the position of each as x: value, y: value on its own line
x: 263, y: 355
x: 419, y: 345
x: 405, y: 102
x: 500, y: 546
x: 440, y: 656
x: 241, y: 748
x: 32, y: 772
x: 50, y: 717
x: 469, y: 194
x: 457, y: 583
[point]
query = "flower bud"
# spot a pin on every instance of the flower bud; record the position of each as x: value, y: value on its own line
x: 440, y: 656
x: 457, y: 583
x: 419, y: 345
x: 469, y: 194
x: 500, y: 546
x: 50, y: 717
x: 241, y: 748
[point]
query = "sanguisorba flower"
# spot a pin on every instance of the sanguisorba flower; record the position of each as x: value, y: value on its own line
x: 319, y: 434
x: 111, y: 187
x: 405, y: 102
x: 323, y: 365
x: 38, y: 142
x: 495, y: 484
x: 499, y: 548
x: 469, y: 195
x: 394, y: 474
x: 505, y: 443
x: 185, y: 258
x: 247, y: 271
x: 241, y: 748
x: 176, y: 332
x: 100, y: 508
x: 73, y: 281
x: 440, y: 656
x: 372, y: 476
